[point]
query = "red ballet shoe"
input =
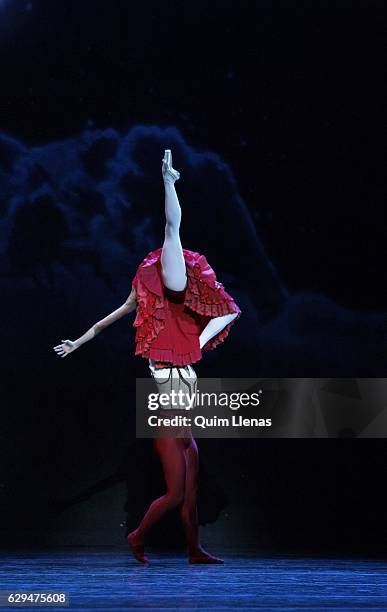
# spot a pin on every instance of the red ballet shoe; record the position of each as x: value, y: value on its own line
x: 202, y: 556
x: 137, y: 548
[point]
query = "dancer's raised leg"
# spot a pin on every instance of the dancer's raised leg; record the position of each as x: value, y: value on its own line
x: 172, y: 258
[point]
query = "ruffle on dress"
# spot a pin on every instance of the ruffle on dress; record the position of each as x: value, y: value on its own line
x: 204, y: 295
x: 168, y: 356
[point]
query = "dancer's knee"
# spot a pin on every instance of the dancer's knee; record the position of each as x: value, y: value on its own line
x: 172, y: 230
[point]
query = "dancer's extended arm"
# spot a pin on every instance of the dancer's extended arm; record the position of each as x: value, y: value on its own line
x: 68, y: 346
x: 214, y: 326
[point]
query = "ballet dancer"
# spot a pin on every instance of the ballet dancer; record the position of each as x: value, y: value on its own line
x: 181, y: 310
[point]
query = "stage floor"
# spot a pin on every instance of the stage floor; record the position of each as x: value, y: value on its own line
x: 110, y: 578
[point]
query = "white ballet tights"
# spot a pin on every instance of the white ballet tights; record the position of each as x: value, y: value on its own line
x: 173, y: 268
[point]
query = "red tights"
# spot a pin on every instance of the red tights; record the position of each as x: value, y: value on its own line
x: 179, y: 458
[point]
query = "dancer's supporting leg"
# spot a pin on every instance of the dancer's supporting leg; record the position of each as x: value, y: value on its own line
x: 189, y: 513
x: 172, y: 258
x: 171, y: 453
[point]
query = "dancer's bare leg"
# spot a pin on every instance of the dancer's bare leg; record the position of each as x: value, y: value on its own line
x: 189, y: 513
x: 171, y: 453
x: 172, y: 258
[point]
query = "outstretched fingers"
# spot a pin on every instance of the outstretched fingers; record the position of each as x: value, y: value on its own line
x: 59, y: 349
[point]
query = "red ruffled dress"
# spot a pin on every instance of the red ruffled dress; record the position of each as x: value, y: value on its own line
x: 168, y: 323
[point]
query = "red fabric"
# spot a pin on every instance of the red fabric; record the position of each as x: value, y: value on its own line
x: 168, y: 323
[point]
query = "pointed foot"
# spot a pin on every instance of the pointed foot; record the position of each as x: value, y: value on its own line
x: 137, y: 548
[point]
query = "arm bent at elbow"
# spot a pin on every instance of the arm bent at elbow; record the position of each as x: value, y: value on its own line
x: 214, y: 326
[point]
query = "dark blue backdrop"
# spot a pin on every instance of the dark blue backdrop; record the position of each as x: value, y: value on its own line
x: 273, y: 114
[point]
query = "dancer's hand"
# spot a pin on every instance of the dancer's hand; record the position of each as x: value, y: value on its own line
x: 67, y: 346
x: 170, y: 175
